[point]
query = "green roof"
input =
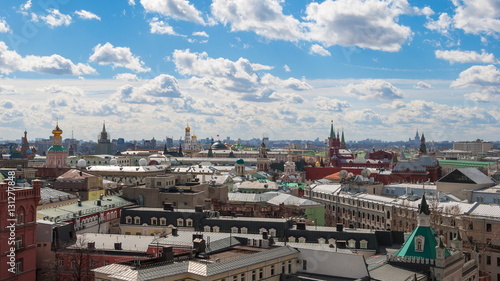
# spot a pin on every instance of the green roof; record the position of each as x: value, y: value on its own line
x: 464, y: 164
x: 56, y: 148
x: 240, y: 161
x: 294, y: 184
x: 408, y: 249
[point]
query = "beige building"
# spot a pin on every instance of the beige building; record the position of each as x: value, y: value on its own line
x: 474, y: 147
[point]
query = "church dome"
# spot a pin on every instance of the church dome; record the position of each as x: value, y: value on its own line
x: 188, y: 128
x: 240, y: 161
x: 218, y: 145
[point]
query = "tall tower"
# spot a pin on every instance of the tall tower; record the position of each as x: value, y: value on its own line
x: 263, y: 161
x: 334, y: 146
x: 187, y: 137
x: 56, y: 156
x: 423, y: 148
x: 25, y: 147
x: 103, y: 142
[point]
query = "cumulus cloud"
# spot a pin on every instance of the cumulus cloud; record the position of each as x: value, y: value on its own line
x: 286, y: 68
x: 200, y: 33
x: 373, y: 90
x: 240, y: 77
x: 477, y: 17
x: 11, y: 61
x: 479, y: 97
x: 117, y: 57
x: 393, y: 105
x: 367, y: 24
x: 54, y: 18
x: 456, y: 56
x: 4, y: 27
x: 131, y: 2
x: 441, y: 25
x: 86, y: 15
x: 7, y: 90
x: 364, y: 117
x: 10, y: 112
x: 478, y: 75
x: 176, y: 9
x: 160, y: 27
x: 318, y: 50
x: 328, y: 104
x: 126, y: 77
x: 265, y: 18
x: 422, y: 85
x: 157, y: 90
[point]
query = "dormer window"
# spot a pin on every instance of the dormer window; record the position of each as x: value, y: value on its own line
x: 419, y: 243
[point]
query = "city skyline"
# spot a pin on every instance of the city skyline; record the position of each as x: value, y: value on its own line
x: 277, y: 69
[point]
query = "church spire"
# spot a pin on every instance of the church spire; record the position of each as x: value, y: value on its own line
x: 104, y: 126
x: 423, y: 148
x: 423, y: 207
x: 332, y: 131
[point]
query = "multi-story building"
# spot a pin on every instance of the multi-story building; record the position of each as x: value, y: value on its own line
x: 103, y: 142
x: 18, y: 230
x: 473, y: 147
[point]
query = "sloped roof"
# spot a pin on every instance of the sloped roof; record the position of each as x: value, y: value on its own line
x: 473, y: 175
x: 75, y: 174
x: 430, y: 243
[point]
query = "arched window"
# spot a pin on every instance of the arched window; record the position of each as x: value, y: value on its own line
x: 207, y: 228
x: 20, y: 215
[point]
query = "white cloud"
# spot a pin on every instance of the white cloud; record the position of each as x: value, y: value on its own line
x: 368, y: 24
x: 200, y: 33
x: 86, y: 15
x: 456, y: 56
x: 479, y: 97
x: 422, y: 85
x: 4, y: 27
x: 442, y: 25
x: 160, y: 27
x: 176, y: 9
x: 265, y: 18
x: 54, y: 18
x: 126, y: 77
x: 478, y: 75
x: 160, y: 89
x: 239, y: 77
x: 373, y: 90
x: 117, y: 57
x: 477, y: 17
x: 328, y: 104
x: 7, y: 90
x: 318, y: 50
x: 365, y: 117
x: 11, y: 61
x: 396, y: 104
x: 23, y: 9
x: 286, y: 68
x: 131, y: 2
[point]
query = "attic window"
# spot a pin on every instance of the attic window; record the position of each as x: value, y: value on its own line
x: 419, y: 243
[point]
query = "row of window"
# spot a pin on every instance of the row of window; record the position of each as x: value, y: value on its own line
x: 162, y: 221
x: 262, y: 273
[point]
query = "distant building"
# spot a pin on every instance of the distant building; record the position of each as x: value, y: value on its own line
x: 103, y: 142
x: 473, y: 147
x: 57, y: 155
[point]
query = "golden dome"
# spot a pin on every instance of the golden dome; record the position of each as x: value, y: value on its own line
x: 188, y: 128
x: 57, y: 131
x: 193, y: 136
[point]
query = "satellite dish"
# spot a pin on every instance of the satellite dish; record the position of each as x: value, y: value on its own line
x: 143, y: 162
x: 343, y: 174
x: 81, y: 163
x: 113, y: 162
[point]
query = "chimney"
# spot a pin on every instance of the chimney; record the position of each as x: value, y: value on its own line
x: 91, y: 245
x: 118, y: 246
x: 167, y: 254
x: 79, y: 203
x: 301, y: 226
x: 98, y: 202
x: 199, y: 245
x: 198, y: 208
x: 264, y: 235
x: 167, y: 206
x: 174, y: 231
x: 340, y: 227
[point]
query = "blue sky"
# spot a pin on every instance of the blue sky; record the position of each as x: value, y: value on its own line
x: 244, y: 69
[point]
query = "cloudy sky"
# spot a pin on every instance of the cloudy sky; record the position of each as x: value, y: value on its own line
x: 245, y: 69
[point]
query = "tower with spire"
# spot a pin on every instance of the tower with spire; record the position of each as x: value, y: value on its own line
x: 26, y: 151
x: 56, y: 155
x: 423, y: 148
x: 263, y: 162
x: 103, y: 142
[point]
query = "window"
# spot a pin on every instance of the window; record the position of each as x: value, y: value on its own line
x: 189, y: 222
x: 253, y: 275
x: 138, y: 233
x: 498, y: 261
x: 304, y: 264
x: 19, y: 265
x: 419, y: 243
x: 262, y: 230
x: 352, y: 243
x: 272, y: 232
x: 180, y: 222
x: 216, y: 229
x: 242, y: 277
x: 244, y: 230
x: 20, y: 216
x: 206, y: 228
x: 302, y: 240
x: 261, y: 273
x: 234, y: 229
x: 19, y: 242
x: 154, y: 221
x: 137, y: 220
x: 291, y: 239
x: 128, y: 220
x: 60, y: 262
x: 363, y: 244
x: 283, y: 268
x: 488, y: 227
x: 488, y: 260
x: 289, y: 266
x: 321, y: 240
x: 163, y: 221
x: 235, y: 278
x: 272, y: 270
